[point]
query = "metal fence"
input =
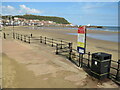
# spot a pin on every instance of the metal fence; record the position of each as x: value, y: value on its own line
x: 84, y: 61
x: 25, y: 38
x: 115, y: 71
x: 65, y: 49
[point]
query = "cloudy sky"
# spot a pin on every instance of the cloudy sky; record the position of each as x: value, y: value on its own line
x: 80, y: 13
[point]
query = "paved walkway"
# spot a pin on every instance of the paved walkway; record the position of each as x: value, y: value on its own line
x: 37, y: 66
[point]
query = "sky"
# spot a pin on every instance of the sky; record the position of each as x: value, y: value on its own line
x: 77, y: 13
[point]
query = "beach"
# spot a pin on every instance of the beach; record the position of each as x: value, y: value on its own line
x: 37, y: 66
x: 92, y: 45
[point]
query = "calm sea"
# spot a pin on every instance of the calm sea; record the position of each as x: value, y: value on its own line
x: 106, y: 28
x: 114, y: 37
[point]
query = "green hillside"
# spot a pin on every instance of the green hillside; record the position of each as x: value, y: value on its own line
x: 59, y: 20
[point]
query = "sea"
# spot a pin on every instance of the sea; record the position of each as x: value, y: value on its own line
x: 106, y: 28
x: 113, y: 37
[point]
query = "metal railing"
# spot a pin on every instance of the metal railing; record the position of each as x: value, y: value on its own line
x: 25, y: 38
x: 115, y: 71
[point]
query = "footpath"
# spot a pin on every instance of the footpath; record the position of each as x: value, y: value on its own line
x: 37, y: 66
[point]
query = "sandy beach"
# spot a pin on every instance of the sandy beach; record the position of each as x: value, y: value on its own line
x: 33, y: 66
x: 93, y: 45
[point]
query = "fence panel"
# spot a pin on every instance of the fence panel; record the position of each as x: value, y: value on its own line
x: 115, y: 71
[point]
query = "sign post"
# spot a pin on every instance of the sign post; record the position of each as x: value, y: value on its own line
x: 81, y: 44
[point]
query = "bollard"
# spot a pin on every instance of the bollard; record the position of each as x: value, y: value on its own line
x: 56, y: 48
x: 52, y: 42
x: 4, y: 35
x: 45, y: 40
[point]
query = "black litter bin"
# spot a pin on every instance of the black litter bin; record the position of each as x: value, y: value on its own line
x: 100, y: 65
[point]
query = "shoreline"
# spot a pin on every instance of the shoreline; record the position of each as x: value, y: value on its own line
x: 88, y: 30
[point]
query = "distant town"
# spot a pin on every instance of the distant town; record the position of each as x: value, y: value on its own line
x: 39, y: 21
x: 17, y: 21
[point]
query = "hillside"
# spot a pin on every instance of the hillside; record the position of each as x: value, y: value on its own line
x: 59, y: 20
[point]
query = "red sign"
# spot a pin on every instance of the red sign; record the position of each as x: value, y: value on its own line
x: 81, y: 30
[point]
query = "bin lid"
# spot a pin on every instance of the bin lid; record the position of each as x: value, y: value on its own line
x: 101, y: 54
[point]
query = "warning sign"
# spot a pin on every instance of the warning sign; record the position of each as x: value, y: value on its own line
x: 81, y: 44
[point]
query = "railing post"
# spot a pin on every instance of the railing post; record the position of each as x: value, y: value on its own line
x: 18, y: 36
x: 81, y: 57
x: 61, y: 44
x: 109, y: 68
x: 117, y: 74
x: 21, y: 37
x: 52, y: 42
x: 70, y: 51
x: 29, y: 39
x: 13, y: 35
x: 4, y: 35
x: 88, y: 59
x: 31, y: 35
x: 40, y: 39
x: 45, y: 40
x: 56, y: 48
x: 24, y: 38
